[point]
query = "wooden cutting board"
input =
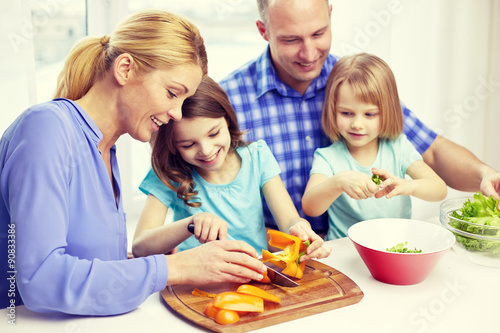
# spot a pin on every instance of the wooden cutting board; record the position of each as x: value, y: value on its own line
x: 321, y: 289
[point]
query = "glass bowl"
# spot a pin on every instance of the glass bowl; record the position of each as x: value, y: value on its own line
x: 478, y: 243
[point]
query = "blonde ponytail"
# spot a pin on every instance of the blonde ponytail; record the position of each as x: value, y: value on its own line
x: 83, y: 65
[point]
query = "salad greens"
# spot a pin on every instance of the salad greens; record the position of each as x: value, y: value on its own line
x: 401, y: 248
x: 481, y: 217
x: 377, y: 179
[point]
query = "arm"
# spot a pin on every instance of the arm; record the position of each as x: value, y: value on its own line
x: 288, y: 219
x: 321, y: 191
x: 152, y: 236
x: 460, y: 169
x: 425, y: 183
x: 68, y: 249
x: 214, y: 262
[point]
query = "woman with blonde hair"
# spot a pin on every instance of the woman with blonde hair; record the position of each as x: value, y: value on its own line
x: 60, y: 186
x: 363, y: 118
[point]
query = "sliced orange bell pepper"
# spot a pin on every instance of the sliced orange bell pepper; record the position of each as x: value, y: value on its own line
x: 225, y: 317
x: 200, y: 293
x: 231, y: 300
x: 248, y: 289
x: 281, y: 240
x: 210, y: 310
x: 292, y: 246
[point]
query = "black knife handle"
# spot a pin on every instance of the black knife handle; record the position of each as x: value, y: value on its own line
x: 190, y: 228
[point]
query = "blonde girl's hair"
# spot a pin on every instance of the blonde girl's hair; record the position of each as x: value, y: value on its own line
x: 156, y: 39
x: 209, y: 101
x: 373, y: 82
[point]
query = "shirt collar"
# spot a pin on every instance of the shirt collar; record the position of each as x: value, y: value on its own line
x: 267, y: 78
x: 87, y: 124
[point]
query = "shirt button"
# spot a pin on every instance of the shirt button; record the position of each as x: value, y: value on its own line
x: 308, y: 138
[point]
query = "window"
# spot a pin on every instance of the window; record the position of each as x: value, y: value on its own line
x: 227, y: 26
x: 57, y: 26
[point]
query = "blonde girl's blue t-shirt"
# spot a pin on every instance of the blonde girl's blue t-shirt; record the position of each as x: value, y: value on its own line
x: 394, y: 156
x: 239, y: 202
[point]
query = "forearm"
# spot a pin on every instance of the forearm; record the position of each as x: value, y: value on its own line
x: 161, y: 239
x: 318, y: 198
x: 67, y: 284
x: 457, y: 166
x: 429, y: 189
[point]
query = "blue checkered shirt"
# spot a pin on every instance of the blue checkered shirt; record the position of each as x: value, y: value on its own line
x: 290, y: 123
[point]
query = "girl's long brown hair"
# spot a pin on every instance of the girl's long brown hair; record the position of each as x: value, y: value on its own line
x: 209, y: 101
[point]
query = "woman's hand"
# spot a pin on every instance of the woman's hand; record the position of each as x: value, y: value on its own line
x: 317, y: 249
x: 209, y: 227
x: 214, y: 262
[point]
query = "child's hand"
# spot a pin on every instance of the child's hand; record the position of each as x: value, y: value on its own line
x: 316, y: 249
x: 392, y: 185
x: 357, y: 185
x: 208, y: 227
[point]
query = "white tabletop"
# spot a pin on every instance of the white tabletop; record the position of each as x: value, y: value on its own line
x: 458, y: 296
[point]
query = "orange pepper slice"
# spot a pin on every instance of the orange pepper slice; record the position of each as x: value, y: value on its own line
x: 231, y: 300
x: 225, y: 317
x: 248, y: 289
x: 210, y: 310
x: 200, y: 293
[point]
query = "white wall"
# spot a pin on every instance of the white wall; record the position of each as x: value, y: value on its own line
x: 445, y: 55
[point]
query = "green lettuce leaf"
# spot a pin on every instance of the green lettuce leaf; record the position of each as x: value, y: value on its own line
x: 483, y: 218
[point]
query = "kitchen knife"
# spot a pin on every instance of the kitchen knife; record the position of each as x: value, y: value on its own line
x: 279, y: 278
x: 190, y: 228
x: 275, y: 276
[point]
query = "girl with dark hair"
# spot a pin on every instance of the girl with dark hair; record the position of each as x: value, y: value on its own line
x: 215, y: 181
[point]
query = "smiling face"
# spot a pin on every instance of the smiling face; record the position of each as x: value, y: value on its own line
x: 357, y: 122
x: 153, y: 99
x: 203, y: 142
x: 299, y: 36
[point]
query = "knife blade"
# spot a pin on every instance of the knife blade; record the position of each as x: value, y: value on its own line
x: 275, y: 276
x: 280, y: 279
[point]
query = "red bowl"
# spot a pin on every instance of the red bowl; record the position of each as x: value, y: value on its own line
x: 371, y: 239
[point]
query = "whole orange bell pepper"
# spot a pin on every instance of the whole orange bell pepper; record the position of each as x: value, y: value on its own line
x: 288, y: 259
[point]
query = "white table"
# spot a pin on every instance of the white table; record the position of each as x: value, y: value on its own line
x: 458, y: 296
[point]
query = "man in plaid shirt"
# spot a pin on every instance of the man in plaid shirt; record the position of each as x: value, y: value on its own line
x: 279, y: 97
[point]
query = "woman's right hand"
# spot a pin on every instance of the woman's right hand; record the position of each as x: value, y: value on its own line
x: 209, y: 227
x: 214, y: 262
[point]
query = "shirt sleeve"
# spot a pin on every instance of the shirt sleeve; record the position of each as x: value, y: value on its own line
x: 269, y: 167
x: 419, y: 135
x: 36, y: 178
x: 406, y: 152
x: 320, y: 163
x: 151, y: 184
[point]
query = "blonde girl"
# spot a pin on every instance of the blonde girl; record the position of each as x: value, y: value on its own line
x: 363, y: 118
x: 209, y: 177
